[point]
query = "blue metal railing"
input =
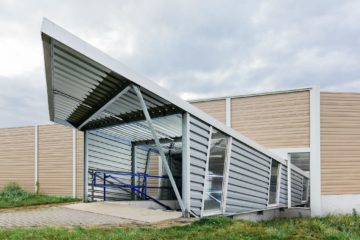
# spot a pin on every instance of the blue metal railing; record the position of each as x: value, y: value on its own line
x: 117, y: 182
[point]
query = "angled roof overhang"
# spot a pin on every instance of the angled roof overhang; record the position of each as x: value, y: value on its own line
x: 88, y: 89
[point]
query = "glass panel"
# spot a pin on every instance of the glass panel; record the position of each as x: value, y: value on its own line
x: 305, y: 189
x: 217, y: 157
x: 274, y: 182
x: 301, y: 160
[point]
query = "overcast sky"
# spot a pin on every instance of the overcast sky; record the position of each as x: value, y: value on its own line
x: 194, y: 48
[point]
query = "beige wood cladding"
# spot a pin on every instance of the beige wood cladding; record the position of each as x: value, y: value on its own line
x: 155, y: 171
x: 215, y: 108
x: 276, y: 121
x: 79, y: 163
x: 17, y: 150
x: 340, y: 143
x: 55, y: 160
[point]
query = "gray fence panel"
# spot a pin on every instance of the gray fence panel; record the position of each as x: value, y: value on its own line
x: 249, y: 176
x: 199, y: 139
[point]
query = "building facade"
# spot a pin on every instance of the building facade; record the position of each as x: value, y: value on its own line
x: 325, y: 142
x: 49, y: 158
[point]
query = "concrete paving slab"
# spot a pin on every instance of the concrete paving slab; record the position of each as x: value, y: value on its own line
x: 58, y: 216
x: 126, y: 211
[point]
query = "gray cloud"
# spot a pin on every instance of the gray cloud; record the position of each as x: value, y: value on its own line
x: 194, y: 48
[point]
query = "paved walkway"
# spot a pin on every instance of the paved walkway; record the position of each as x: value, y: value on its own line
x: 84, y: 214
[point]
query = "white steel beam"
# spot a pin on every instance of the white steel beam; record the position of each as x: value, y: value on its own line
x: 278, y: 184
x: 157, y: 142
x: 315, y: 158
x: 289, y: 180
x: 186, y: 162
x: 105, y: 106
x: 228, y: 111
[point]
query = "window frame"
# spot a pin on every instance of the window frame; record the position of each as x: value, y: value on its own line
x: 209, y: 212
x: 278, y: 185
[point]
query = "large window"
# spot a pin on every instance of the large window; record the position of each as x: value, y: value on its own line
x: 274, y: 183
x: 214, y: 184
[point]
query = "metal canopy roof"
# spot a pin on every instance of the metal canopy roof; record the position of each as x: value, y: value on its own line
x: 78, y: 88
x: 87, y: 90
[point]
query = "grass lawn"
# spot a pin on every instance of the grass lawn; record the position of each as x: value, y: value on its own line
x: 13, y: 196
x: 331, y: 227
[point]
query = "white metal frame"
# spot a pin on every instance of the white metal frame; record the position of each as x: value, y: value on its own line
x: 186, y: 163
x: 289, y: 169
x: 315, y: 158
x: 228, y: 111
x: 278, y: 183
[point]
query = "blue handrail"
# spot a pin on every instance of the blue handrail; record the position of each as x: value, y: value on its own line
x: 140, y: 190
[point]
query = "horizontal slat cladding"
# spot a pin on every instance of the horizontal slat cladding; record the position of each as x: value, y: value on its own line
x: 248, y: 184
x: 215, y: 108
x: 79, y: 163
x: 283, y: 186
x: 17, y: 164
x: 199, y: 140
x: 296, y: 188
x: 277, y: 120
x: 340, y: 143
x: 55, y: 160
x: 107, y: 154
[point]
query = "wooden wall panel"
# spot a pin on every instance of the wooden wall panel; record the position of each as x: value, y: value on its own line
x: 275, y: 121
x: 55, y: 160
x: 340, y: 143
x: 17, y: 162
x: 215, y: 108
x: 79, y: 163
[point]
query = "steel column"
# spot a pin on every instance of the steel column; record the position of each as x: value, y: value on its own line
x: 133, y: 169
x: 289, y: 180
x: 186, y: 162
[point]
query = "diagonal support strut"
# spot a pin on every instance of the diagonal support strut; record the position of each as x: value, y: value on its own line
x: 122, y: 92
x: 157, y: 142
